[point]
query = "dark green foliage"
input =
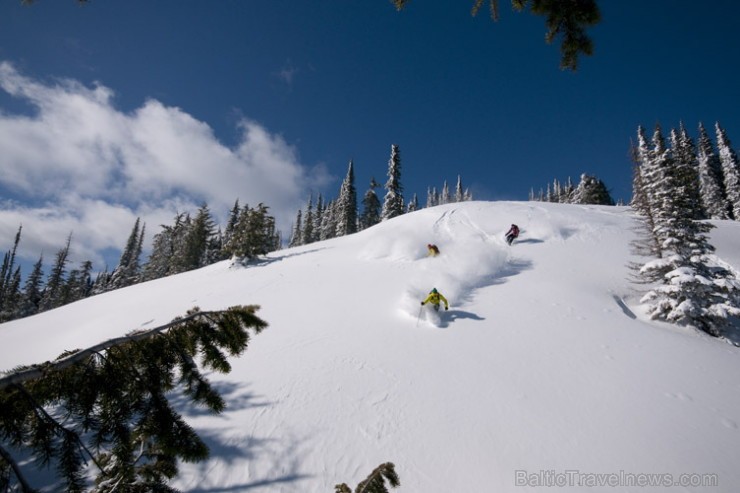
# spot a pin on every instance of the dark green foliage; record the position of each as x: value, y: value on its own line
x: 53, y: 294
x: 591, y: 190
x: 129, y: 266
x: 566, y: 18
x: 254, y: 233
x: 107, y: 407
x: 370, y: 206
x: 375, y: 482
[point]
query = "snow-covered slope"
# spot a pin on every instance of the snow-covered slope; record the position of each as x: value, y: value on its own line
x: 542, y: 371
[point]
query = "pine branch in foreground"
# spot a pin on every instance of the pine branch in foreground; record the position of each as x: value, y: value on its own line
x: 105, y: 411
x: 375, y: 482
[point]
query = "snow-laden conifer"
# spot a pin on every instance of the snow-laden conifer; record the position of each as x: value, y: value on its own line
x: 731, y: 171
x: 346, y: 206
x: 413, y: 204
x: 370, y: 207
x: 445, y: 195
x: 53, y: 293
x: 459, y: 193
x: 393, y: 203
x: 309, y: 228
x: 685, y: 171
x: 128, y: 269
x: 711, y: 185
x: 296, y: 237
x: 692, y: 287
x: 590, y: 190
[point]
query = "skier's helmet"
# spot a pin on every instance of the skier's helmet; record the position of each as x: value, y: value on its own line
x: 434, y: 290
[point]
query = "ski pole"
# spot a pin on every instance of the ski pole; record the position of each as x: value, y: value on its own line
x: 419, y: 315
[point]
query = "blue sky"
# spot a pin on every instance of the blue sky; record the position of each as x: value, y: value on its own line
x: 114, y: 110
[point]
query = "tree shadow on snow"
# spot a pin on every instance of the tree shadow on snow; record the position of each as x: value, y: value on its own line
x: 263, y: 260
x: 255, y: 484
x: 237, y: 448
x: 732, y: 333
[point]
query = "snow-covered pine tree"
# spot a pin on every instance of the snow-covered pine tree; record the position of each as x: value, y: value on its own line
x: 167, y: 246
x: 346, y: 206
x: 445, y: 197
x: 393, y: 203
x: 254, y: 234
x: 370, y: 207
x: 731, y: 171
x: 711, y: 185
x: 459, y: 194
x: 648, y: 244
x: 128, y: 269
x: 329, y: 221
x: 33, y: 290
x: 685, y: 170
x: 79, y: 283
x: 9, y: 290
x: 693, y: 288
x: 468, y: 195
x: 231, y: 223
x: 413, y: 204
x: 296, y: 236
x: 198, y: 241
x: 309, y: 228
x: 52, y: 297
x: 591, y: 190
x: 317, y: 217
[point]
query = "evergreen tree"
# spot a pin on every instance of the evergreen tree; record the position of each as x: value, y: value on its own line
x: 685, y: 171
x: 329, y: 221
x: 53, y: 294
x: 309, y: 232
x: 78, y: 284
x: 413, y: 204
x: 9, y: 289
x: 591, y: 190
x: 255, y: 233
x: 692, y: 288
x: 198, y: 241
x: 648, y: 244
x: 104, y: 414
x: 346, y: 206
x: 370, y: 207
x: 711, y: 185
x: 731, y: 171
x: 129, y: 267
x: 430, y: 198
x: 393, y: 203
x: 33, y: 290
x: 445, y: 198
x: 459, y: 194
x: 296, y: 238
x: 167, y: 248
x: 231, y: 225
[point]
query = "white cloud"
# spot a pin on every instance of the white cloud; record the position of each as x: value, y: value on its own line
x: 95, y: 168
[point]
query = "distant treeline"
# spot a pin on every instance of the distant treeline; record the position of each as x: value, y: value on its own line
x: 189, y: 243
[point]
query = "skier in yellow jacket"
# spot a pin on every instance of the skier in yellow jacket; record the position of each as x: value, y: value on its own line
x: 434, y: 298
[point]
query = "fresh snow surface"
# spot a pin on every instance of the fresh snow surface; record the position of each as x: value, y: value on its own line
x: 543, y: 371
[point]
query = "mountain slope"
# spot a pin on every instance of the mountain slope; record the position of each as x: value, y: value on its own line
x: 541, y: 366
